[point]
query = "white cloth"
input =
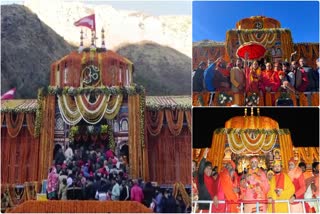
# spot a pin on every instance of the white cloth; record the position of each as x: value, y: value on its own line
x: 115, y: 192
x: 308, y: 194
x: 69, y: 181
x: 68, y: 154
x: 101, y: 196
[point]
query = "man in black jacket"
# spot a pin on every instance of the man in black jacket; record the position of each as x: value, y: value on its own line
x: 198, y: 78
x: 205, y: 181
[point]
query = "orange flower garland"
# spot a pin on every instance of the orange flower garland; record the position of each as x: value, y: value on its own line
x: 14, y: 126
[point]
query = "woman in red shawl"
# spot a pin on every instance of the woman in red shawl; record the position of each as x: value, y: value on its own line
x: 53, y: 183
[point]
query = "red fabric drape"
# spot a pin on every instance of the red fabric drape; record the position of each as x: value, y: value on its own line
x: 19, y: 162
x: 170, y: 156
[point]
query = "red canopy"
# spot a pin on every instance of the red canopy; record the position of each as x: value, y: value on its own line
x: 255, y: 50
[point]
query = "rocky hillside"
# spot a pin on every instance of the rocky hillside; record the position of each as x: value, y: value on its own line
x: 121, y: 26
x: 28, y: 47
x: 162, y: 70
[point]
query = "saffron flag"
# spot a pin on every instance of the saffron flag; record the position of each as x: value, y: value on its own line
x: 9, y: 94
x: 88, y: 21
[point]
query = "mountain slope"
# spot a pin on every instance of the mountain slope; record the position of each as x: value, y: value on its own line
x: 162, y: 70
x: 28, y: 47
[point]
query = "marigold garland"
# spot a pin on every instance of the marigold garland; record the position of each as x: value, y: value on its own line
x: 92, y: 117
x: 69, y: 113
x: 142, y: 107
x: 178, y: 187
x: 133, y: 89
x: 14, y: 126
x: 189, y: 119
x: 240, y: 139
x: 175, y: 128
x: 154, y: 122
x: 113, y: 107
x: 30, y: 119
x: 111, y: 137
x: 39, y: 113
x: 14, y: 197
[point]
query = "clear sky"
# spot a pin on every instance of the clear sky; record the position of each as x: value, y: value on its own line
x: 212, y: 19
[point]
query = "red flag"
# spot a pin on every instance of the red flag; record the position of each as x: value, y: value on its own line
x: 88, y: 21
x: 9, y: 94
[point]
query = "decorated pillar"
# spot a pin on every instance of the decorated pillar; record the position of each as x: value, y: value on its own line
x: 137, y: 149
x: 47, y: 120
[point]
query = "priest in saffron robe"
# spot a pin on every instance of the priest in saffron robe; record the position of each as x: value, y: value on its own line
x: 257, y: 187
x: 218, y: 193
x: 230, y: 186
x: 281, y: 188
x: 270, y: 79
x: 297, y: 178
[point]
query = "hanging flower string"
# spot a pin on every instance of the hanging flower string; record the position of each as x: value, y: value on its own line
x: 142, y: 106
x: 252, y: 100
x: 111, y: 138
x: 39, y: 113
x: 133, y: 89
x: 224, y: 99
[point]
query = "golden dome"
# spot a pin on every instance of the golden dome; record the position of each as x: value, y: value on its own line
x: 252, y: 122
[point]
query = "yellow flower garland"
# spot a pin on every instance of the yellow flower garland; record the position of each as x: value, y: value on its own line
x: 113, y: 107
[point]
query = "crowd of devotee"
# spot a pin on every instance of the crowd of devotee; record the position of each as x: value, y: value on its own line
x: 83, y: 172
x: 242, y: 77
x: 255, y: 184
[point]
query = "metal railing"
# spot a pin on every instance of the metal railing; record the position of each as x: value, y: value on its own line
x: 306, y: 93
x: 241, y: 203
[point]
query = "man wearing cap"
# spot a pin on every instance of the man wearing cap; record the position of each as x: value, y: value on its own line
x: 257, y: 187
x: 297, y: 178
x: 281, y: 188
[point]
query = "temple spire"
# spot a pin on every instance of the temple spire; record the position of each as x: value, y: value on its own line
x: 102, y: 39
x: 81, y: 41
x: 93, y: 39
